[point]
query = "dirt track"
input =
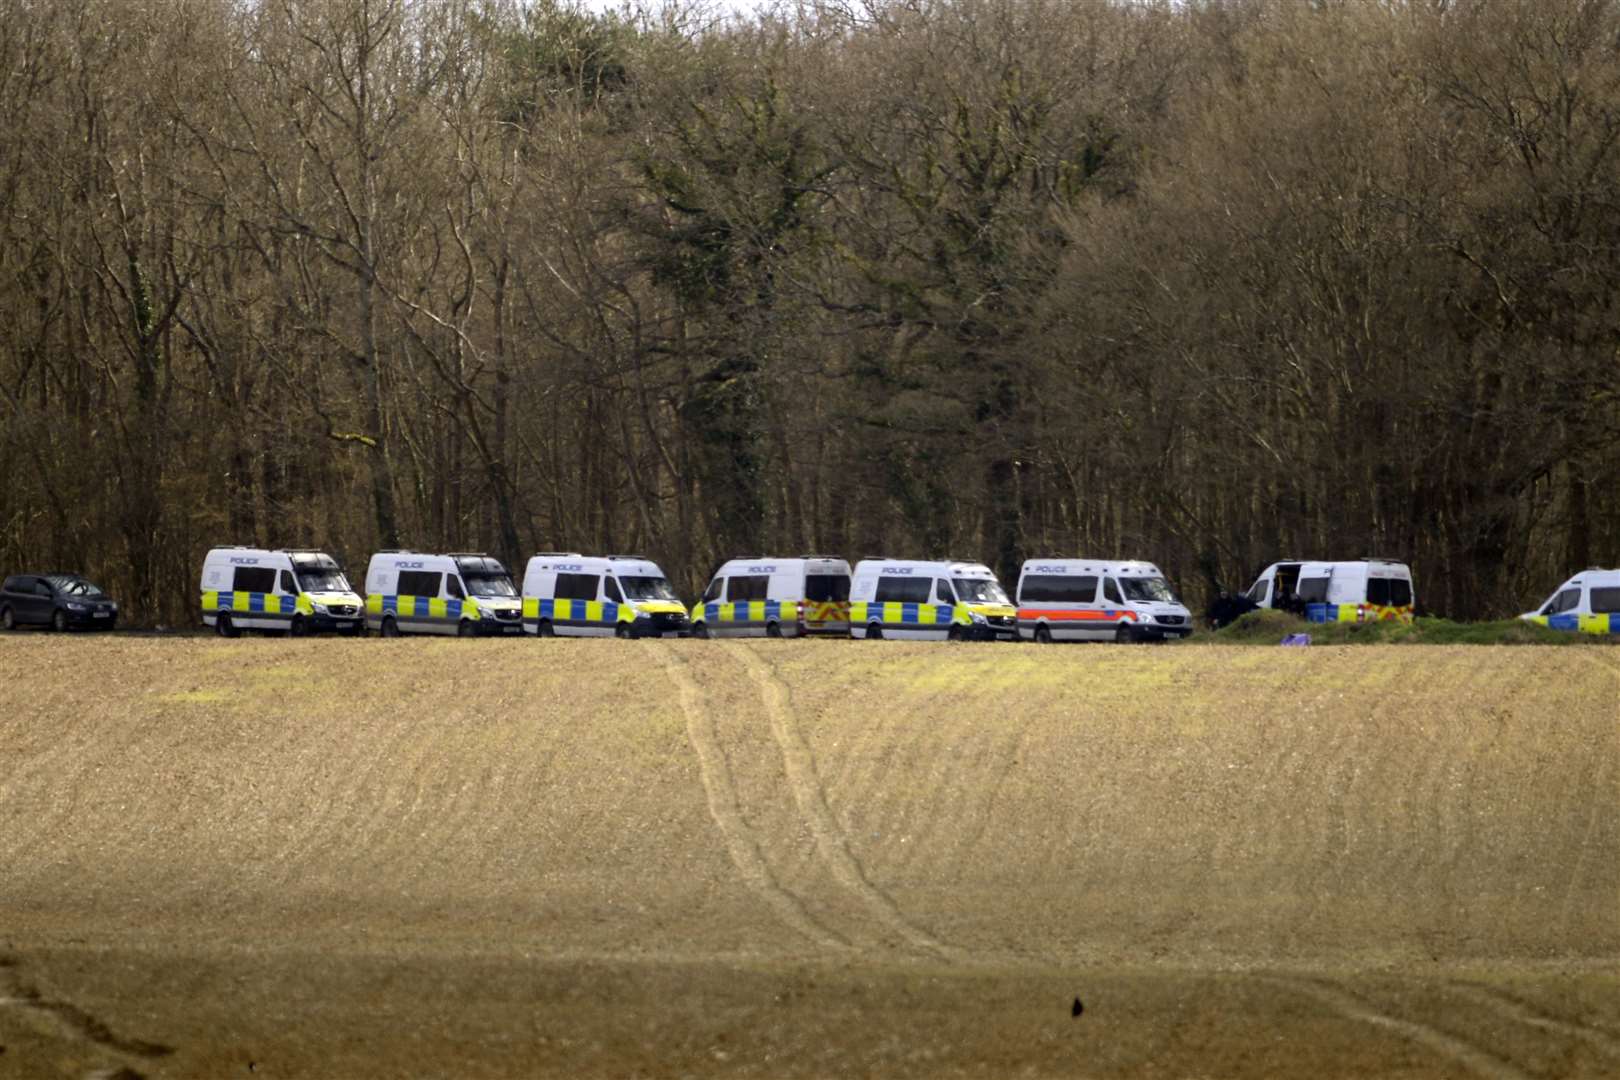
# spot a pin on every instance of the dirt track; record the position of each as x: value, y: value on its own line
x: 336, y: 858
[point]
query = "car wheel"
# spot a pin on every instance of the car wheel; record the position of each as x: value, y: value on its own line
x: 7, y: 619
x: 700, y: 630
x: 1123, y: 635
x: 1043, y: 634
x: 390, y: 628
x: 466, y: 629
x: 546, y: 629
x: 773, y: 629
x: 59, y: 621
x: 874, y: 632
x: 223, y: 627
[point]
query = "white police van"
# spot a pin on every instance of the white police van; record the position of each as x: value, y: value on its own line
x: 291, y: 590
x: 771, y: 596
x: 464, y: 593
x: 1097, y: 600
x: 1589, y: 602
x: 573, y: 595
x: 929, y: 600
x: 1358, y: 590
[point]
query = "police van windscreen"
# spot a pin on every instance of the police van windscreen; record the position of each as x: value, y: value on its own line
x: 320, y: 579
x: 647, y: 588
x: 826, y: 588
x: 488, y: 584
x: 1148, y: 589
x: 978, y: 590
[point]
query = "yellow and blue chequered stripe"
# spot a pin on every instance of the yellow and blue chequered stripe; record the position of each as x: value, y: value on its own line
x: 896, y: 613
x: 421, y: 607
x: 746, y: 612
x: 1326, y: 613
x: 576, y: 612
x: 254, y: 603
x: 1584, y: 624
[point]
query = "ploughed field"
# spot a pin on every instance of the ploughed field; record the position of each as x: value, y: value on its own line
x: 333, y: 858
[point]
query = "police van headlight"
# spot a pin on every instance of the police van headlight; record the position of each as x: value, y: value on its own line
x: 318, y: 607
x: 977, y: 617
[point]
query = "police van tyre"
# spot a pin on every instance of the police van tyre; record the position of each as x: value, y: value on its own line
x: 874, y: 632
x: 390, y: 627
x: 954, y: 633
x: 621, y: 631
x: 1043, y: 634
x: 223, y: 627
x: 699, y: 630
x: 466, y: 629
x: 773, y: 629
x: 59, y: 621
x: 1124, y: 635
x: 546, y: 629
x: 299, y: 627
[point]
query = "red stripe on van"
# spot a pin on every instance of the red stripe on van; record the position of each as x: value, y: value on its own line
x: 1109, y: 615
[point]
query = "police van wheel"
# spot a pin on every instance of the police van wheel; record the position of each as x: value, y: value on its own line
x: 390, y: 628
x: 223, y: 627
x: 7, y: 619
x: 1123, y: 635
x: 621, y: 631
x: 874, y: 632
x: 773, y: 629
x: 299, y: 627
x: 954, y: 633
x: 466, y: 629
x: 546, y: 629
x: 699, y: 630
x: 1043, y: 634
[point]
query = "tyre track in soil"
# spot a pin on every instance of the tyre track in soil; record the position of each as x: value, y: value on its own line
x: 1449, y: 1045
x: 1522, y: 1012
x: 743, y: 845
x: 810, y: 797
x: 18, y: 993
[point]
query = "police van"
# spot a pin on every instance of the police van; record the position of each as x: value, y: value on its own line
x: 1097, y: 600
x: 464, y: 593
x: 291, y: 591
x: 573, y: 595
x: 925, y: 600
x: 1360, y: 590
x: 767, y: 596
x: 1588, y: 602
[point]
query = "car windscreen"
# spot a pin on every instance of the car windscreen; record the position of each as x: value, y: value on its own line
x: 646, y: 588
x: 75, y: 586
x: 974, y: 590
x: 315, y: 579
x: 488, y: 584
x: 1154, y: 589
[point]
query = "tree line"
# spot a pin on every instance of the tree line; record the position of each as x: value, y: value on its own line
x: 1210, y: 283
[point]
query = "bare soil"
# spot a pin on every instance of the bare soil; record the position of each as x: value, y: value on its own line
x: 331, y: 858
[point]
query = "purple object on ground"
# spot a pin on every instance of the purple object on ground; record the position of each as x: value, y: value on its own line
x: 1296, y: 639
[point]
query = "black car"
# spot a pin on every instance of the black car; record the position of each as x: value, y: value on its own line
x: 60, y: 601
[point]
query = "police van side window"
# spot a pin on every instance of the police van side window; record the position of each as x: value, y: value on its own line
x: 943, y: 593
x: 903, y: 590
x: 1111, y: 592
x: 576, y: 586
x: 452, y: 587
x: 1568, y: 600
x: 259, y: 579
x: 1606, y: 601
x: 1314, y: 590
x: 712, y: 593
x: 748, y: 587
x: 610, y: 586
x: 826, y: 588
x: 1058, y: 589
x: 418, y: 583
x: 288, y: 586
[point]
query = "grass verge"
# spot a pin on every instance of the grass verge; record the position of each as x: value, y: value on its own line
x: 1270, y: 627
